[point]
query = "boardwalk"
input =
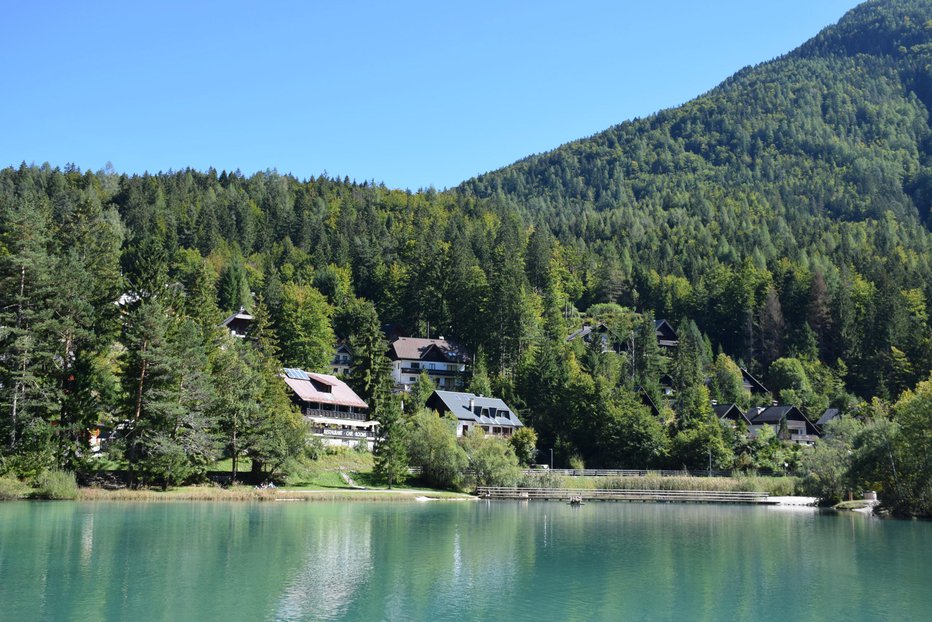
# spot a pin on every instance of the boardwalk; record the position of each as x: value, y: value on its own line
x: 677, y: 496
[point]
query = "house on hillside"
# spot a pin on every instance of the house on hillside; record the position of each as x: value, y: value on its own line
x: 443, y: 360
x: 752, y: 384
x: 731, y: 413
x: 333, y: 410
x: 830, y: 414
x: 239, y: 323
x: 491, y: 414
x: 342, y: 359
x: 788, y: 422
x: 666, y: 336
x: 598, y: 333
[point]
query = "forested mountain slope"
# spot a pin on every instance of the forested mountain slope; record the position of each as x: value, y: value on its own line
x: 780, y: 221
x: 818, y: 161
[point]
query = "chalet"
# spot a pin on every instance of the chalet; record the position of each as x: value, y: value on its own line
x: 342, y: 359
x: 788, y: 422
x: 830, y: 414
x: 666, y: 336
x: 239, y: 323
x: 333, y: 410
x: 442, y: 360
x: 752, y: 384
x: 475, y: 411
x: 598, y: 333
x: 731, y: 413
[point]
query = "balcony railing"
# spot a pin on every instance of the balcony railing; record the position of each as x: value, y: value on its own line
x: 335, y: 414
x: 430, y: 372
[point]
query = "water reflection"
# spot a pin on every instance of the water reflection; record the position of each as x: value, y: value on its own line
x: 453, y: 561
x: 337, y: 562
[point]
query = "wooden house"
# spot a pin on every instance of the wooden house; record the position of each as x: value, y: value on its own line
x: 239, y: 323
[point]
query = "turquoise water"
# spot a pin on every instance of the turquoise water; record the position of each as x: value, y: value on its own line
x: 456, y: 561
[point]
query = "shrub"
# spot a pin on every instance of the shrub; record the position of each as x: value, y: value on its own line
x: 11, y: 488
x: 56, y: 485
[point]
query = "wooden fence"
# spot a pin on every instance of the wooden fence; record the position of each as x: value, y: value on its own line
x: 680, y: 496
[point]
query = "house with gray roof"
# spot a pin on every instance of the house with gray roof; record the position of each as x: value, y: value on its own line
x: 829, y: 415
x: 476, y: 411
x: 239, y: 323
x: 788, y: 422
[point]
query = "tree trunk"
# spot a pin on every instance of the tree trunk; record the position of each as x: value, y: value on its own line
x: 235, y: 458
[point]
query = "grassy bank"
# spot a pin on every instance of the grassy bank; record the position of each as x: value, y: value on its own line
x: 777, y: 486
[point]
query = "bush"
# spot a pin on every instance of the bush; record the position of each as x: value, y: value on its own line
x: 56, y: 485
x: 11, y: 488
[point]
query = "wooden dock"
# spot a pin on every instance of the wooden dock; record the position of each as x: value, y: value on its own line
x: 601, y: 494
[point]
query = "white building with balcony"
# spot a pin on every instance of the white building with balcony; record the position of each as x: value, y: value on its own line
x: 333, y: 410
x: 442, y: 360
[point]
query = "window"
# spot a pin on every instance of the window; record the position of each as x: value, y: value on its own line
x: 411, y: 378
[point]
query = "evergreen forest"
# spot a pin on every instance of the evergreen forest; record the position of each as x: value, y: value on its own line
x: 782, y: 223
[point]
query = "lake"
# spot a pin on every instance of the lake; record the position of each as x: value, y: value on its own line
x: 456, y: 561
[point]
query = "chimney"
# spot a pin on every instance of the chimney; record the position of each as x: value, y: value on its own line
x: 472, y: 404
x: 715, y: 402
x: 775, y: 403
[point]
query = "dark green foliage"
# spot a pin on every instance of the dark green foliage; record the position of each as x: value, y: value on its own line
x: 784, y: 215
x: 390, y: 451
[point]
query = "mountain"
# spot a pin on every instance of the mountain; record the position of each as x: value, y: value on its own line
x: 819, y: 161
x: 839, y: 127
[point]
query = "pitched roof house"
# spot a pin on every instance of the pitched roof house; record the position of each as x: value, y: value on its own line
x: 443, y: 360
x: 238, y: 323
x: 752, y: 384
x: 666, y: 336
x: 730, y: 412
x: 788, y: 422
x: 342, y: 359
x: 829, y: 415
x: 489, y: 413
x: 606, y: 336
x: 333, y: 409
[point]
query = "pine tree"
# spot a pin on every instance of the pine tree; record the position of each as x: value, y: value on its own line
x: 390, y: 451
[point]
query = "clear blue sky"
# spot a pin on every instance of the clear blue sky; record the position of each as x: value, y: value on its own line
x: 410, y: 93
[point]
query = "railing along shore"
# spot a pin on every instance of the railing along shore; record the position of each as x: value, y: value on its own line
x: 567, y: 494
x: 628, y: 472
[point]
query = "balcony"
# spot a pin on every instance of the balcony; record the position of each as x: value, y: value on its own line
x: 335, y: 414
x: 430, y: 372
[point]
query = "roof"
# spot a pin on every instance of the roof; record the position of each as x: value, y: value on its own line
x: 664, y: 328
x: 729, y: 411
x: 418, y: 349
x: 828, y: 415
x: 458, y: 404
x: 239, y: 315
x: 754, y: 384
x: 776, y: 414
x: 647, y: 401
x: 322, y: 388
